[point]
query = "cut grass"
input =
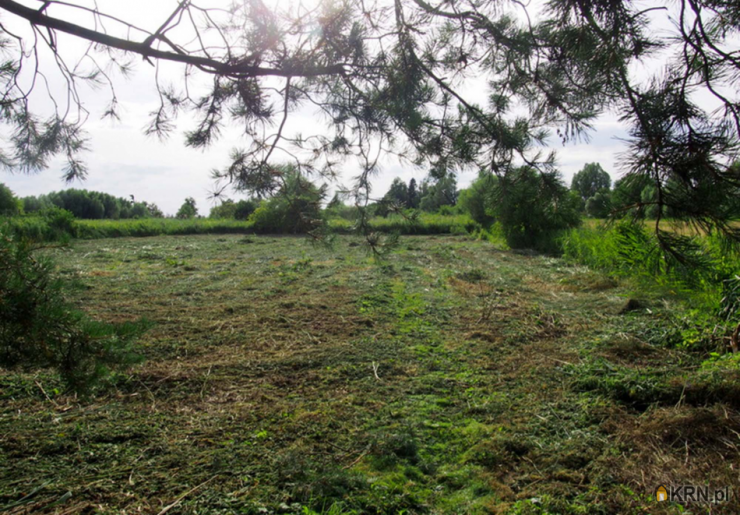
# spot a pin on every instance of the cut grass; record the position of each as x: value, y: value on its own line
x: 287, y: 378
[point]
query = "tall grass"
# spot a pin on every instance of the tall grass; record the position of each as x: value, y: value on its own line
x: 45, y: 228
x: 632, y: 252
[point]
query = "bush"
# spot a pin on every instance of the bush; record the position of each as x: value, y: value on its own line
x: 343, y: 211
x: 244, y: 209
x: 296, y: 209
x: 53, y: 224
x: 39, y: 328
x: 476, y: 200
x: 534, y: 209
x: 600, y: 205
x: 230, y: 210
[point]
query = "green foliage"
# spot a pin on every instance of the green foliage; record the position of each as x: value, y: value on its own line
x: 630, y: 250
x: 93, y: 229
x: 187, y: 210
x: 244, y: 209
x: 230, y: 210
x: 477, y: 199
x: 628, y: 195
x: 534, y: 209
x: 424, y: 223
x: 338, y: 210
x: 600, y: 205
x: 436, y: 193
x: 590, y: 180
x: 412, y: 200
x: 398, y: 194
x: 40, y: 329
x: 295, y: 209
x: 92, y: 205
x: 223, y: 211
x: 9, y: 204
x: 51, y: 224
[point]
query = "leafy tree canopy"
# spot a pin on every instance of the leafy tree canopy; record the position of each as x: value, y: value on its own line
x: 477, y: 200
x: 590, y: 180
x: 438, y: 193
x: 9, y: 203
x: 92, y: 205
x: 188, y: 209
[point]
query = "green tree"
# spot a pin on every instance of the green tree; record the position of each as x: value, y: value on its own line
x: 534, y: 209
x: 188, y: 209
x: 413, y: 199
x: 396, y: 197
x: 627, y: 197
x: 9, y: 203
x: 436, y: 193
x: 153, y: 210
x: 477, y: 199
x: 225, y: 210
x: 600, y: 205
x: 295, y: 208
x: 590, y: 180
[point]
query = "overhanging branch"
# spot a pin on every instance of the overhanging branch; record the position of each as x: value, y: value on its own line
x: 39, y: 18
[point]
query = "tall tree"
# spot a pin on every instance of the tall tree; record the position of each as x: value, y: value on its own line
x: 390, y: 76
x: 438, y: 192
x: 398, y: 193
x: 590, y: 180
x: 188, y: 209
x: 412, y: 201
x: 9, y: 204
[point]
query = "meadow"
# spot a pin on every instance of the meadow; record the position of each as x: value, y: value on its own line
x: 285, y: 377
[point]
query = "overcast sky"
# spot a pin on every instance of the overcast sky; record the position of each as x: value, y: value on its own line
x: 123, y: 161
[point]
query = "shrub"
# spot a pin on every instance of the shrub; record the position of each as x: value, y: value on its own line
x: 477, y: 199
x: 244, y: 209
x: 39, y: 328
x: 600, y: 205
x: 296, y: 209
x: 61, y: 224
x: 534, y: 209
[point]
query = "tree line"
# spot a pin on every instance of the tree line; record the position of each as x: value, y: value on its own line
x: 84, y: 204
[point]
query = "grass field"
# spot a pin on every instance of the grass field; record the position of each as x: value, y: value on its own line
x: 286, y: 378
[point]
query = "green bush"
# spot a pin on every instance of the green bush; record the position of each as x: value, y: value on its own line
x: 52, y: 224
x: 477, y: 199
x: 39, y: 328
x: 534, y: 209
x: 230, y: 210
x: 600, y: 205
x: 295, y: 209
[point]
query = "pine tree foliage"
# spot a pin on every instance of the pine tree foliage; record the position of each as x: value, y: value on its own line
x: 40, y: 328
x: 389, y: 77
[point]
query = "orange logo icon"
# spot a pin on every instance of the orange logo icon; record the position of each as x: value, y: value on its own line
x: 661, y: 494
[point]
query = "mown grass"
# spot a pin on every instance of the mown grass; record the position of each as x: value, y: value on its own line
x: 283, y: 377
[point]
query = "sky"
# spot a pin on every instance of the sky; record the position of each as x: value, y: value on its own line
x: 124, y: 162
